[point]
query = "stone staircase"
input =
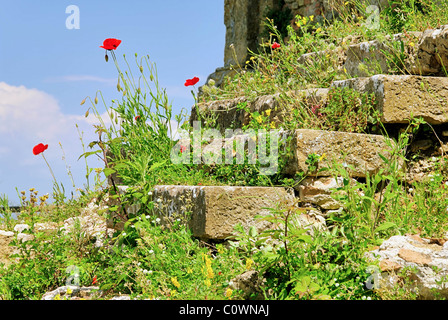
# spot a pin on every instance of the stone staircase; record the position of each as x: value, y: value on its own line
x: 216, y: 210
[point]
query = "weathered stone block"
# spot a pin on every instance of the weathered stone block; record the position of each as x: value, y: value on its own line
x: 212, y: 212
x: 401, y: 96
x: 229, y: 116
x: 358, y: 152
x: 432, y: 53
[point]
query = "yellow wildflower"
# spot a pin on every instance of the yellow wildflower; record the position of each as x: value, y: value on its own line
x: 189, y: 270
x: 69, y: 291
x: 322, y: 157
x: 175, y: 282
x: 411, y: 44
x: 259, y: 119
x: 207, y: 282
x: 311, y: 18
x: 272, y: 125
x: 173, y: 293
x: 208, y: 271
x: 268, y: 112
x: 220, y: 249
x: 228, y: 292
x: 249, y: 263
x: 57, y: 297
x: 318, y: 29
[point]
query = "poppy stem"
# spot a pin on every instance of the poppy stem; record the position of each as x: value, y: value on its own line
x: 51, y: 171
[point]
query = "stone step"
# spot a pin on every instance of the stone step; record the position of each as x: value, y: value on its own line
x: 212, y: 212
x: 367, y: 58
x: 400, y: 97
x: 359, y: 153
x: 229, y: 116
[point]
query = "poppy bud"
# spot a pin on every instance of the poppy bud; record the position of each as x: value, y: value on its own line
x: 83, y: 101
x: 87, y: 113
x: 96, y: 100
x: 141, y: 69
x: 106, y: 57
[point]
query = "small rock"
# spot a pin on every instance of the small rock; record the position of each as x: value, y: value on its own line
x: 20, y: 227
x: 249, y: 283
x: 6, y: 233
x: 24, y: 237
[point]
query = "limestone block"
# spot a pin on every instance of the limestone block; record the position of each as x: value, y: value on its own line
x: 359, y: 153
x: 229, y: 116
x: 212, y: 212
x: 432, y: 54
x: 400, y: 96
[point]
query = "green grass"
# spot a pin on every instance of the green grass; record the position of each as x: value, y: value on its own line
x: 150, y: 260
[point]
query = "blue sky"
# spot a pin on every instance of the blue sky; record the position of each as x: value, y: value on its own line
x: 46, y: 70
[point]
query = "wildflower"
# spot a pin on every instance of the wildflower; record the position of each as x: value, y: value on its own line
x: 137, y: 118
x: 173, y: 293
x: 94, y: 281
x: 207, y: 282
x: 275, y: 45
x: 175, y: 282
x: 208, y: 271
x: 151, y: 251
x: 268, y: 112
x: 322, y: 157
x: 314, y: 109
x: 311, y: 18
x: 228, y: 292
x: 189, y: 270
x: 111, y: 44
x: 69, y: 291
x: 158, y: 220
x: 318, y: 30
x: 150, y: 193
x: 259, y: 119
x: 39, y: 148
x: 191, y: 82
x: 57, y: 297
x: 411, y: 44
x: 249, y: 263
x: 159, y: 200
x: 272, y: 125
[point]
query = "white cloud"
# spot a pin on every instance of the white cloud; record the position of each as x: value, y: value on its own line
x: 28, y: 117
x: 83, y: 77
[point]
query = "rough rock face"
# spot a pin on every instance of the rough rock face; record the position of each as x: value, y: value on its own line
x: 432, y: 55
x: 318, y: 191
x: 426, y: 258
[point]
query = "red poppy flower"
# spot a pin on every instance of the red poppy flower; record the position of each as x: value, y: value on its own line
x: 111, y: 44
x: 94, y: 280
x: 137, y: 118
x: 39, y: 148
x: 191, y: 82
x: 275, y: 45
